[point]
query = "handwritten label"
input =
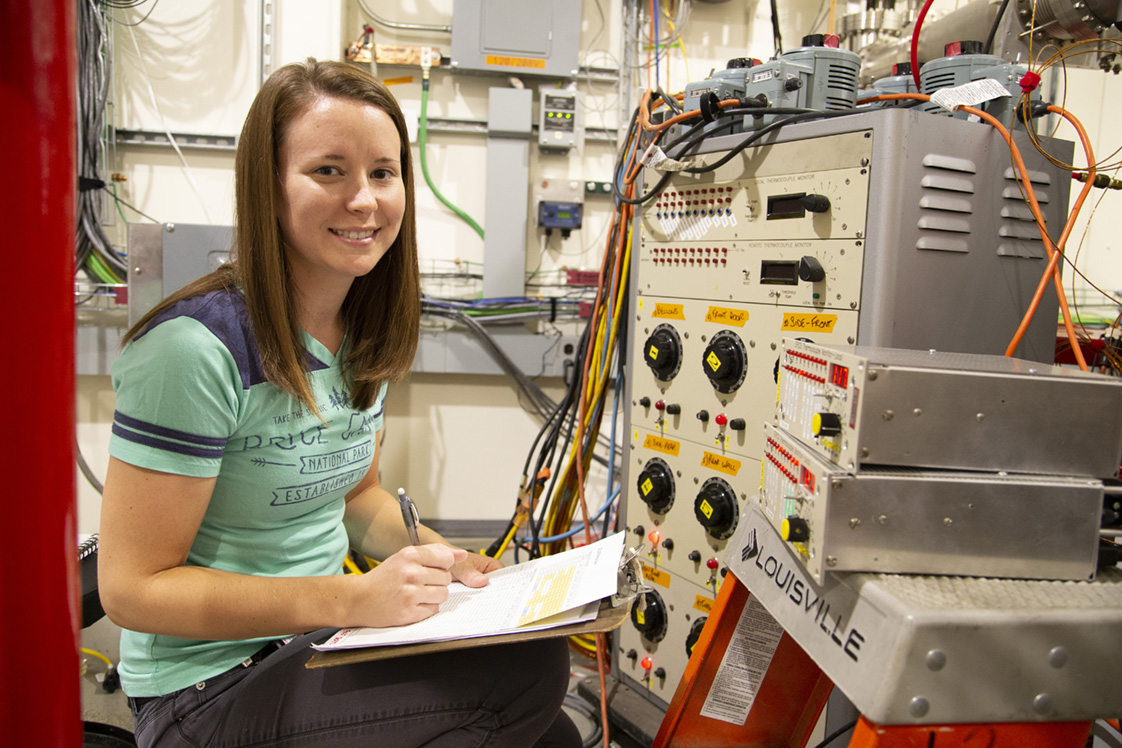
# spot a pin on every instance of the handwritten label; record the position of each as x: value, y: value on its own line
x: 725, y: 316
x: 651, y: 574
x: 720, y: 463
x: 669, y: 311
x: 704, y: 604
x: 661, y: 444
x: 814, y: 322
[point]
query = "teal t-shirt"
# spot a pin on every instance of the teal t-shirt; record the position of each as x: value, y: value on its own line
x: 192, y: 400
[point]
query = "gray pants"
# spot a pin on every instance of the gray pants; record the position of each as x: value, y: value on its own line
x: 503, y: 696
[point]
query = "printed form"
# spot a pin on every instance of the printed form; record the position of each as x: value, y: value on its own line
x: 543, y: 593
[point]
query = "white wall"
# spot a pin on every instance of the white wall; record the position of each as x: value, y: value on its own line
x: 457, y: 442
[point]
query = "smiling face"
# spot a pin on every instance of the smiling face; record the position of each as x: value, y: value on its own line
x: 342, y: 195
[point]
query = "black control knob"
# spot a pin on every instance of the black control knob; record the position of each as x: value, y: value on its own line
x: 640, y: 530
x: 695, y: 634
x: 660, y: 672
x: 656, y: 485
x: 645, y: 401
x: 811, y: 270
x: 703, y: 416
x: 826, y: 424
x: 737, y: 424
x: 792, y: 84
x: 742, y: 62
x: 715, y: 508
x: 663, y: 352
x: 673, y: 409
x: 815, y: 203
x: 694, y: 556
x: 648, y: 615
x: 632, y: 654
x: 725, y: 361
x: 795, y: 530
x: 668, y: 544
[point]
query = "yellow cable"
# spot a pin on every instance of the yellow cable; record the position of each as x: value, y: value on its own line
x: 98, y: 655
x: 351, y: 566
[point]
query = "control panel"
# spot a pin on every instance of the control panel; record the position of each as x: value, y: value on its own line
x: 831, y: 234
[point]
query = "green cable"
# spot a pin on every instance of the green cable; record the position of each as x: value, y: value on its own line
x: 422, y: 139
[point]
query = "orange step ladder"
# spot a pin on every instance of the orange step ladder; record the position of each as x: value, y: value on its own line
x: 790, y: 698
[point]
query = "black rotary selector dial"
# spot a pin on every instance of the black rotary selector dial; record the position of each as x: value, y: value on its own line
x: 656, y: 485
x: 648, y: 615
x: 716, y: 508
x: 695, y: 634
x: 663, y: 352
x: 725, y: 361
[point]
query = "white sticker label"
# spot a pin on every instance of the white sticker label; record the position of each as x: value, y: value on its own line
x: 763, y: 75
x: 655, y: 158
x: 744, y: 665
x: 969, y: 94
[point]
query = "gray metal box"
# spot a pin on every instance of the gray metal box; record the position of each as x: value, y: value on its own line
x: 856, y: 406
x: 944, y: 650
x: 924, y: 522
x: 525, y: 37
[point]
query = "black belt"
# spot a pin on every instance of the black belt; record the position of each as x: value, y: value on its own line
x: 139, y: 701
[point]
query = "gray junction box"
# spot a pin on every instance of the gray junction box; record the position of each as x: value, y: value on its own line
x: 525, y: 37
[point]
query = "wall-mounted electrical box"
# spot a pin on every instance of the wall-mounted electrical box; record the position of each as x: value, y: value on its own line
x: 557, y: 215
x: 557, y: 119
x: 525, y: 37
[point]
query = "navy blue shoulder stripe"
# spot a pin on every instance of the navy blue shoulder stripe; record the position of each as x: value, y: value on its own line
x: 224, y: 314
x: 154, y: 442
x: 156, y: 430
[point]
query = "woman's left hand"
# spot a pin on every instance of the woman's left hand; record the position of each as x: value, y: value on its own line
x: 471, y: 572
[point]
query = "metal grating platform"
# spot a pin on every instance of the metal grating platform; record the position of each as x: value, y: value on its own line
x: 923, y: 649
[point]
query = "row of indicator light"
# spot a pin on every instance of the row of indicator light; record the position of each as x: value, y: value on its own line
x: 807, y: 357
x: 673, y: 196
x: 715, y: 262
x: 559, y: 115
x: 695, y: 212
x: 673, y: 251
x: 804, y: 373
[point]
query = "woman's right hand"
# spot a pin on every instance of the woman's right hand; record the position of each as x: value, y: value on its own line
x: 407, y: 587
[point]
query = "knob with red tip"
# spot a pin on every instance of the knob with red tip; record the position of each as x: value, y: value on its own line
x: 712, y: 564
x: 721, y: 419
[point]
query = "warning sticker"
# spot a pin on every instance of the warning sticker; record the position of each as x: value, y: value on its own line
x: 744, y: 665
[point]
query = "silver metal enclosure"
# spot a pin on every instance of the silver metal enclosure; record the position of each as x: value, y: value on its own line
x: 907, y: 521
x: 524, y: 37
x: 950, y: 410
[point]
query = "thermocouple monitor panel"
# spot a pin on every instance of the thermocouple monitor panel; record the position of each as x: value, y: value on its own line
x: 886, y: 406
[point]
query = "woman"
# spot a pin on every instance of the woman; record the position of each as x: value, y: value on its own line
x: 244, y: 465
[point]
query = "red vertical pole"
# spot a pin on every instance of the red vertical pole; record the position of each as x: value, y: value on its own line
x: 39, y: 691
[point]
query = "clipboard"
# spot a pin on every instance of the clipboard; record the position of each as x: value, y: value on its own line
x: 613, y: 611
x: 608, y: 618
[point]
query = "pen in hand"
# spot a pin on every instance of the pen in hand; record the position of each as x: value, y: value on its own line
x: 409, y: 514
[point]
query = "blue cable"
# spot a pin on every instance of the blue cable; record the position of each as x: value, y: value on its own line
x: 578, y: 528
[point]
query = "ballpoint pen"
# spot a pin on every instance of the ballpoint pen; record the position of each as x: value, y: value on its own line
x: 409, y: 514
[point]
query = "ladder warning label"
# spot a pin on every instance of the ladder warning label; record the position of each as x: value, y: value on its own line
x: 744, y: 665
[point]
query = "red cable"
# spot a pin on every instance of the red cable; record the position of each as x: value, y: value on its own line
x: 915, y: 41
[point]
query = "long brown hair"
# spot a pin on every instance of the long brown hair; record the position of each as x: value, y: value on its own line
x: 382, y: 310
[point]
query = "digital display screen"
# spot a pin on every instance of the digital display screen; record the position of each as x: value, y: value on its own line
x: 786, y: 206
x: 564, y: 215
x: 779, y: 272
x: 839, y: 375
